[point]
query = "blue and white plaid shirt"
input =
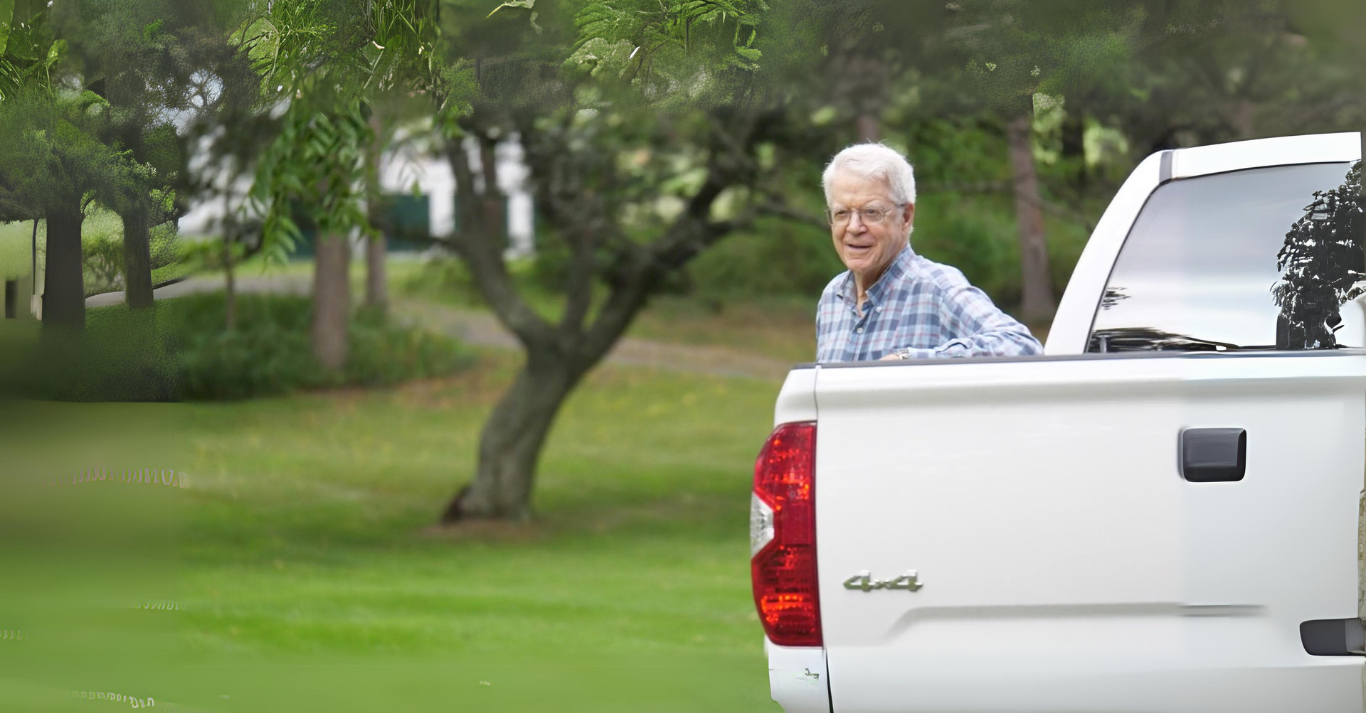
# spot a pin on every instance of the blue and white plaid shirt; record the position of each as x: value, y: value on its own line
x: 918, y: 309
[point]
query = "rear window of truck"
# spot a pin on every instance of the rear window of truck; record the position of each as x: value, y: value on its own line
x: 1260, y: 259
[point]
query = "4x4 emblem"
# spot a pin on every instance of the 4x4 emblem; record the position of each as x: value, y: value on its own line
x: 864, y: 582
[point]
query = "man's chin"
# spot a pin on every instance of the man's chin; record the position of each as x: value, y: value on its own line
x: 859, y: 266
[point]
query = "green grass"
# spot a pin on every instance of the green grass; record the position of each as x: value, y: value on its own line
x: 312, y: 579
x: 16, y: 248
x: 781, y: 327
x: 173, y: 271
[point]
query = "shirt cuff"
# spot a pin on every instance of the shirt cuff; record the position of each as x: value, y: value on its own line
x: 954, y: 348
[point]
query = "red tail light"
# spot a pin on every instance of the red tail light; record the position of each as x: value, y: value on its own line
x: 782, y: 533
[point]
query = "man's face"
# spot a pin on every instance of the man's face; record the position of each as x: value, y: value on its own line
x: 867, y: 247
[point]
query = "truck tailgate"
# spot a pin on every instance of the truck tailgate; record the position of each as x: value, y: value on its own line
x: 1060, y: 560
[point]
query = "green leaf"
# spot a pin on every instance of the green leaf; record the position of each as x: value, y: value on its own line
x: 6, y: 19
x: 54, y: 53
x: 513, y: 3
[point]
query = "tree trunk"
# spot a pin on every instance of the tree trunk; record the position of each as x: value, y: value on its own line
x: 376, y: 280
x: 510, y: 444
x: 331, y: 300
x: 63, y: 279
x: 1074, y: 147
x: 493, y: 205
x: 230, y: 289
x: 137, y: 259
x: 1037, y: 289
x: 33, y: 255
x: 868, y: 127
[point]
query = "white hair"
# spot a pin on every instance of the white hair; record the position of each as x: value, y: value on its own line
x: 874, y: 161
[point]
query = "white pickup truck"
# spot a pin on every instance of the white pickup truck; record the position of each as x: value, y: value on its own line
x: 1159, y: 514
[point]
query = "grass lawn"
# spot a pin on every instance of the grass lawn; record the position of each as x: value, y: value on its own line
x: 16, y: 248
x: 312, y: 580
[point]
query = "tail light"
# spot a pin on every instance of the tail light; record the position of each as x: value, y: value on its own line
x: 782, y: 536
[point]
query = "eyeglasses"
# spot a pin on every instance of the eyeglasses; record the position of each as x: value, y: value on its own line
x: 869, y: 216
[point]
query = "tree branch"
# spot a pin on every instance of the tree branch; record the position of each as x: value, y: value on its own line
x: 779, y: 209
x: 479, y: 249
x: 561, y: 196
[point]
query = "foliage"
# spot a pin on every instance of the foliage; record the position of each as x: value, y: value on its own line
x: 102, y: 251
x: 100, y: 79
x: 674, y: 53
x: 1063, y: 48
x: 443, y: 278
x: 314, y: 165
x: 184, y: 352
x: 269, y: 353
x: 1323, y: 264
x: 771, y: 259
x: 51, y: 150
x: 321, y: 66
x: 121, y: 355
x: 28, y: 51
x: 102, y: 264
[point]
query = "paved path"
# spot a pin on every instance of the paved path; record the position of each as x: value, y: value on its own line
x: 482, y: 329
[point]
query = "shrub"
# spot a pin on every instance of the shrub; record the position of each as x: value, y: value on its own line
x: 182, y: 350
x: 975, y: 235
x: 121, y: 355
x: 102, y: 251
x: 445, y: 277
x: 776, y: 258
x: 269, y: 352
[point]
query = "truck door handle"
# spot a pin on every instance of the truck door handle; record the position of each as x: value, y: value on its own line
x: 1213, y: 455
x: 1333, y: 637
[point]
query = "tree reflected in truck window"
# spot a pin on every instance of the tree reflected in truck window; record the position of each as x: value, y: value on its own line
x: 1209, y: 265
x: 1322, y: 263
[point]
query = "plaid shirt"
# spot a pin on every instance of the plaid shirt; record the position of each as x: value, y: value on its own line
x: 918, y: 309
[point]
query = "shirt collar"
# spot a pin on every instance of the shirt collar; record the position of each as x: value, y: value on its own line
x: 900, y: 265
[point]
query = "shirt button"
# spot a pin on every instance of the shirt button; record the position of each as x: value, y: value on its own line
x: 859, y: 330
x: 879, y: 309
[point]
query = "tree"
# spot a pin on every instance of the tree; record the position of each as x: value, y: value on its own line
x: 1020, y: 54
x: 641, y: 125
x: 323, y: 62
x: 376, y: 276
x: 52, y: 161
x: 132, y: 54
x: 1264, y: 68
x: 868, y: 47
x: 1323, y: 264
x: 56, y: 164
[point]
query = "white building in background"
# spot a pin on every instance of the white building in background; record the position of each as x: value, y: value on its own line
x: 402, y: 169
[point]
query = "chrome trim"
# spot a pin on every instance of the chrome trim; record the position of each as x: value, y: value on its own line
x: 760, y: 524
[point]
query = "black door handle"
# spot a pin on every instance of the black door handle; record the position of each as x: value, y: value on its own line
x: 1213, y: 455
x: 1333, y: 637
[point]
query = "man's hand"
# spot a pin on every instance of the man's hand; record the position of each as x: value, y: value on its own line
x: 891, y: 357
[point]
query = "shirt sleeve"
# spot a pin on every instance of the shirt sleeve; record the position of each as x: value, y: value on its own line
x: 976, y: 328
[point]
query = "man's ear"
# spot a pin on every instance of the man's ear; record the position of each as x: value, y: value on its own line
x: 908, y: 215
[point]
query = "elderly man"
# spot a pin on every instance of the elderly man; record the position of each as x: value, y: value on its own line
x: 893, y: 303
